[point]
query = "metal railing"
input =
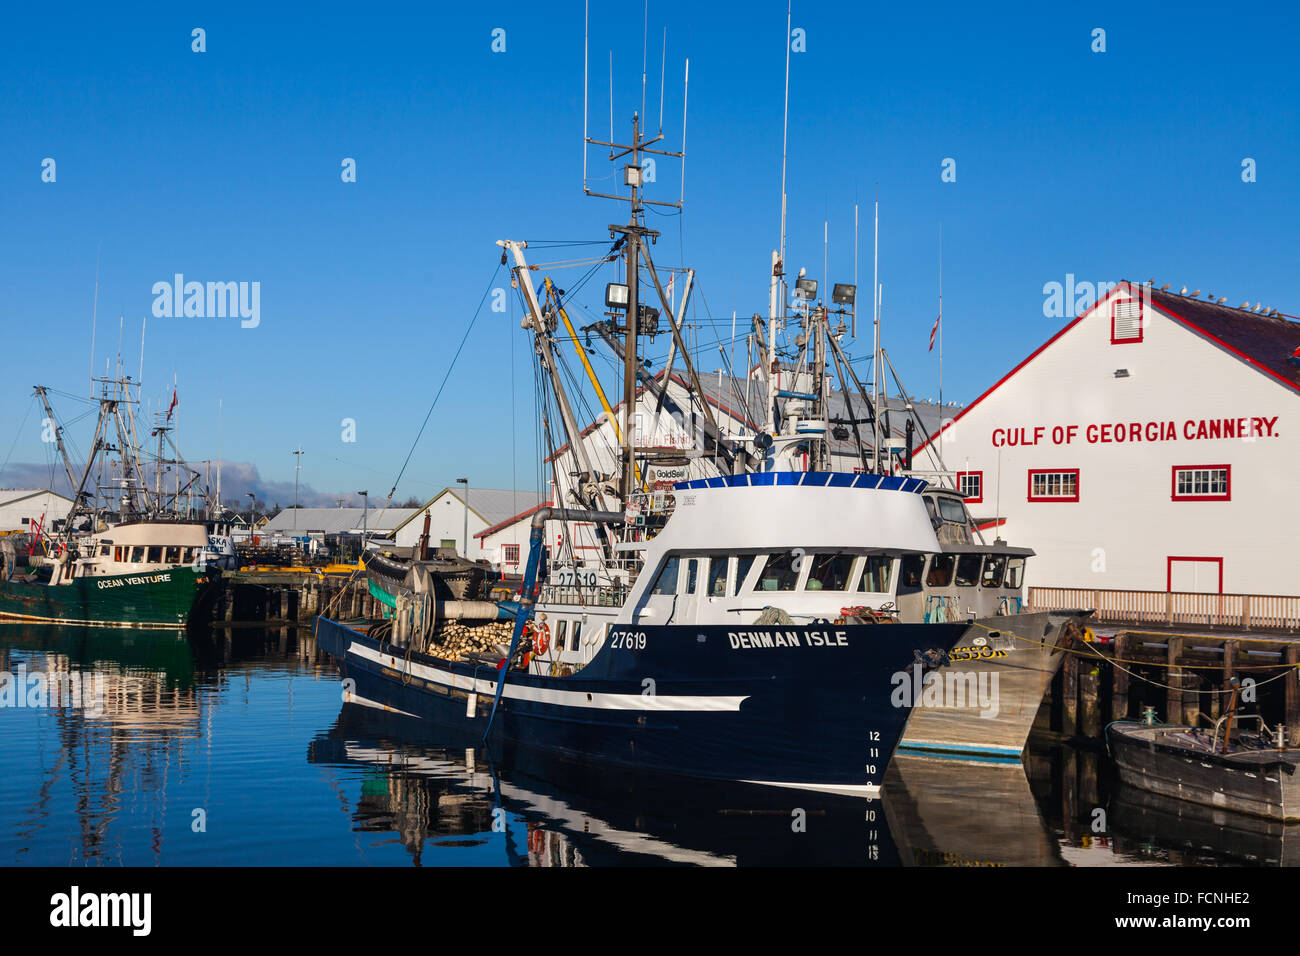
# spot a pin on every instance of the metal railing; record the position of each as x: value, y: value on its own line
x: 1255, y: 612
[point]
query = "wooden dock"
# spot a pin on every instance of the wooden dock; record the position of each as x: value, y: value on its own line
x: 1184, y: 676
x: 290, y: 596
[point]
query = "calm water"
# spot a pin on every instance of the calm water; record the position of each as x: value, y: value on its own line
x: 209, y: 750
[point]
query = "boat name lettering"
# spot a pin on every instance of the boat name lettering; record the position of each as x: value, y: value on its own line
x: 974, y: 653
x: 140, y: 579
x: 758, y: 639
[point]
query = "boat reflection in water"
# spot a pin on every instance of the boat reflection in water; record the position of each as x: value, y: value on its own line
x: 435, y: 787
x: 1150, y: 826
x: 943, y: 814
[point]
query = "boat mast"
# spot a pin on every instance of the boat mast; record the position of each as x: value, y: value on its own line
x: 58, y: 434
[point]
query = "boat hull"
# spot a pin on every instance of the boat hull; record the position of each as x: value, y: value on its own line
x: 1259, y: 783
x: 814, y: 710
x: 1015, y: 658
x: 147, y: 599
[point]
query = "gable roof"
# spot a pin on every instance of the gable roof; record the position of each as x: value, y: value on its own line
x: 1262, y: 341
x: 10, y: 496
x: 492, y: 505
x: 338, y: 520
x: 1265, y: 342
x: 511, y: 520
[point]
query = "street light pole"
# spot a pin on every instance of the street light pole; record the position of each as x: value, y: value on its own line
x: 365, y: 505
x: 465, y: 482
x: 252, y: 515
x: 297, y: 470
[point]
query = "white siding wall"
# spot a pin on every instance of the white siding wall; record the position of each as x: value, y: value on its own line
x: 1125, y: 526
x: 52, y: 506
x: 447, y: 522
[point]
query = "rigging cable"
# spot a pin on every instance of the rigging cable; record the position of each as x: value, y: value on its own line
x: 438, y: 394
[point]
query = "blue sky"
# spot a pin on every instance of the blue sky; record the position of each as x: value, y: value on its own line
x: 225, y: 166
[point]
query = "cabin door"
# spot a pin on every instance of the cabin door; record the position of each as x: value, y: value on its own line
x: 691, y: 590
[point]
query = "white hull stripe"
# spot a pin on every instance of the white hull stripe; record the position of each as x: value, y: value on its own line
x: 10, y: 616
x: 543, y: 695
x: 868, y: 790
x: 367, y: 702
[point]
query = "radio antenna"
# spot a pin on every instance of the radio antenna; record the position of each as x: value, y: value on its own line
x: 686, y: 84
x: 586, y: 37
x: 645, y: 42
x: 663, y: 64
x: 94, y: 321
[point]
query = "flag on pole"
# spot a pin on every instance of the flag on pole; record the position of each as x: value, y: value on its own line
x: 933, y: 331
x: 672, y: 303
x: 172, y: 406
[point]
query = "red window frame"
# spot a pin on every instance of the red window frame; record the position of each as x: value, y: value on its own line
x: 1141, y: 330
x: 974, y: 500
x: 1173, y: 483
x: 1169, y: 568
x: 1053, y: 471
x: 510, y: 553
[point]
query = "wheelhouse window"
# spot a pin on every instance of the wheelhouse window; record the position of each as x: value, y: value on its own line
x: 666, y: 581
x: 1015, y: 575
x: 137, y: 553
x: 173, y: 556
x: 940, y: 575
x: 968, y: 570
x: 910, y: 575
x: 561, y: 634
x: 971, y: 486
x: 878, y: 569
x: 692, y: 574
x: 829, y: 572
x: 995, y: 565
x: 117, y: 552
x: 718, y: 576
x: 778, y: 573
x: 1202, y: 483
x: 951, y: 509
x: 1054, y: 485
x: 743, y: 563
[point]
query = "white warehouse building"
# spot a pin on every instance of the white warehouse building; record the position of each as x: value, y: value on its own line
x: 24, y: 509
x: 1149, y: 445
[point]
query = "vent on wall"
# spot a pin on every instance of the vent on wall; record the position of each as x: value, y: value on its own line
x: 1126, y: 321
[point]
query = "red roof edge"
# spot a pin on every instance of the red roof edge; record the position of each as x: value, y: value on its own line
x: 509, y: 521
x: 1124, y: 284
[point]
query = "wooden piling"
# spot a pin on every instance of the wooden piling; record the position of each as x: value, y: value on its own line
x: 1070, y: 695
x: 1292, y: 696
x: 1119, y: 679
x: 1174, y: 680
x: 1090, y: 702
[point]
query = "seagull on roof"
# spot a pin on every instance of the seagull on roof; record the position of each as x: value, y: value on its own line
x: 1244, y: 305
x: 1196, y: 293
x: 1183, y: 291
x: 1222, y: 299
x: 1257, y: 307
x: 1151, y: 281
x: 1165, y: 287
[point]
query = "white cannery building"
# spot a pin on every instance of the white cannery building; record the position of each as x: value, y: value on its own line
x: 1150, y: 445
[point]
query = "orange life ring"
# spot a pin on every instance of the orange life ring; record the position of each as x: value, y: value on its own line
x: 543, y: 639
